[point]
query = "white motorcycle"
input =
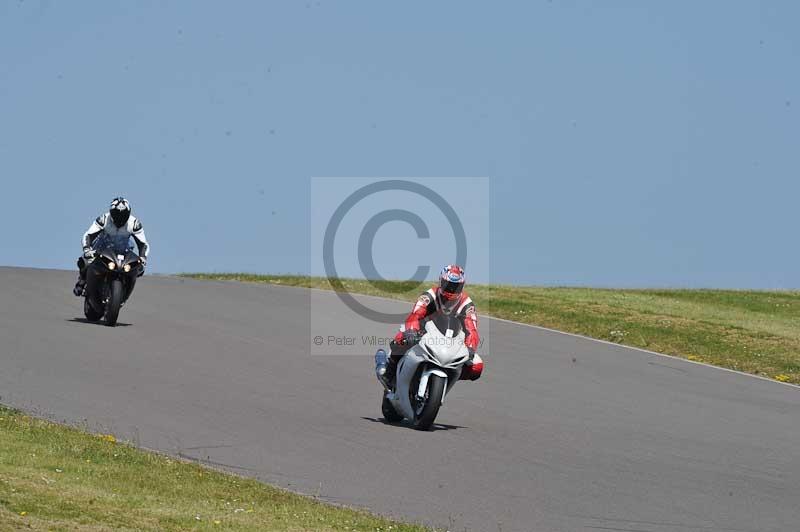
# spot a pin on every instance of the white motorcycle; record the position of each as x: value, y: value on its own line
x: 425, y: 374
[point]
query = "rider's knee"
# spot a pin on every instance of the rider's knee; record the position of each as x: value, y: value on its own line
x: 472, y: 370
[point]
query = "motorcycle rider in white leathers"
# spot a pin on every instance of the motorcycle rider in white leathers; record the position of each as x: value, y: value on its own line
x: 118, y: 223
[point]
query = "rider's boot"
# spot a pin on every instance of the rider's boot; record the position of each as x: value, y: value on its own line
x: 381, y: 365
x: 80, y: 285
x: 386, y: 366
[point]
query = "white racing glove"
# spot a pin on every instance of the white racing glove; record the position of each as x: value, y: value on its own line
x: 88, y: 254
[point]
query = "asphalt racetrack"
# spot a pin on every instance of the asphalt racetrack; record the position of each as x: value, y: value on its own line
x: 561, y: 434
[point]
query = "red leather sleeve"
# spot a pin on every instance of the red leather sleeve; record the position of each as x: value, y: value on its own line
x: 419, y: 312
x: 473, y: 339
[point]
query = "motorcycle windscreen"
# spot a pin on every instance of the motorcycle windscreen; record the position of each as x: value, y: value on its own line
x: 445, y: 347
x: 446, y: 322
x: 118, y: 244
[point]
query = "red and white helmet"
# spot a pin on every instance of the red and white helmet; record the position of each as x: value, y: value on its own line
x: 451, y: 282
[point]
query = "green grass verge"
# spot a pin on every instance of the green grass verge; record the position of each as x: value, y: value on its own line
x: 752, y: 331
x: 59, y: 478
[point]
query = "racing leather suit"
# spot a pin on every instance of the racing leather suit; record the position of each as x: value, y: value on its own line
x: 103, y: 224
x: 428, y: 303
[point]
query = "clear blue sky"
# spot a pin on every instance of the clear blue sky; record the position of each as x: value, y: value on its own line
x: 628, y: 143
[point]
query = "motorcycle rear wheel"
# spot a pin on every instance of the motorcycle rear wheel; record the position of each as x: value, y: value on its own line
x: 389, y: 413
x: 88, y: 311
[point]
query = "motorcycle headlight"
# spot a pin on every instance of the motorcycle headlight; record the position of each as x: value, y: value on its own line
x: 126, y: 268
x: 111, y: 265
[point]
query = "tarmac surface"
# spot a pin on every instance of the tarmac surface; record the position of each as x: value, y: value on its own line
x: 562, y: 433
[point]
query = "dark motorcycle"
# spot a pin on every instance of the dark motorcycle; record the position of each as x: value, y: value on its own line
x: 110, y: 279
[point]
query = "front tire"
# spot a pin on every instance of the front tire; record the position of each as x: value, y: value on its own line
x: 114, y: 302
x: 90, y: 313
x: 433, y: 400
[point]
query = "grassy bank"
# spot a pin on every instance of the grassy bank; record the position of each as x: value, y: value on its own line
x: 751, y: 331
x: 58, y: 478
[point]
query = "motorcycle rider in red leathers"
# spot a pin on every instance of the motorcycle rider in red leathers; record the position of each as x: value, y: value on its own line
x: 448, y: 297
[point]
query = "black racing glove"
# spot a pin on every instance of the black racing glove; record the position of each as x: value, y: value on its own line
x: 411, y: 336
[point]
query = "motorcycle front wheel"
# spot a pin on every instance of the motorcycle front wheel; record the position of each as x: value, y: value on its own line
x: 114, y: 302
x: 428, y: 408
